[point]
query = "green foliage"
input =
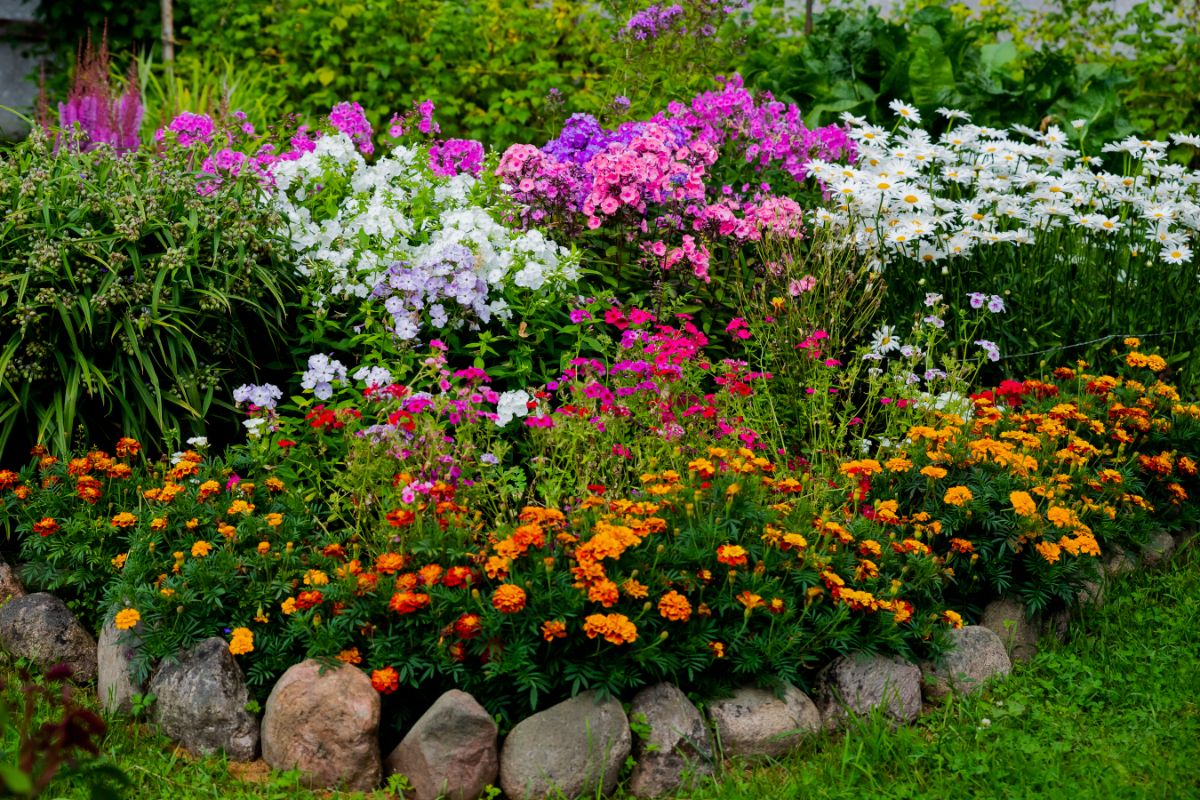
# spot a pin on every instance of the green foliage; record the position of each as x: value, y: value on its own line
x: 132, y: 302
x: 859, y: 62
x: 498, y: 70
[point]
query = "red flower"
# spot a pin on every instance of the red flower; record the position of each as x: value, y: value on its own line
x: 307, y: 600
x: 408, y: 602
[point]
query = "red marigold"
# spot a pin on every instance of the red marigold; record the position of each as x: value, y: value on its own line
x: 389, y: 563
x: 307, y: 600
x: 732, y: 554
x: 468, y: 626
x: 46, y: 526
x: 456, y: 577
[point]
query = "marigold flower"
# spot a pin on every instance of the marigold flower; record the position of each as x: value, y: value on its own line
x: 274, y: 484
x: 1023, y: 504
x: 127, y: 618
x: 675, y: 607
x: 732, y: 555
x: 201, y: 549
x: 385, y: 680
x: 615, y: 628
x: 902, y: 611
x: 240, y: 507
x: 430, y: 574
x: 315, y: 577
x: 307, y: 600
x: 242, y: 641
x: 952, y: 618
x: 128, y: 447
x: 351, y: 656
x: 603, y: 592
x: 389, y: 563
x: 958, y: 496
x: 508, y: 599
x: 937, y: 473
x: 750, y: 600
x: 777, y: 605
x: 468, y: 626
x: 635, y: 589
x: 1049, y: 551
x: 119, y: 560
x: 961, y: 545
x: 408, y: 602
x: 400, y: 517
x: 46, y: 526
x: 456, y: 577
x: 124, y: 520
x: 274, y: 519
x: 717, y: 648
x: 8, y: 479
x: 264, y: 548
x: 554, y: 629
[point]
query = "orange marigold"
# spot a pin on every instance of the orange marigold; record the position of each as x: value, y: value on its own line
x: 201, y: 549
x: 508, y: 599
x: 46, y: 526
x: 126, y: 618
x: 958, y: 496
x: 242, y: 641
x: 124, y: 520
x: 351, y: 656
x: 385, y: 680
x: 615, y: 628
x: 732, y: 554
x: 675, y: 607
x: 554, y: 629
x: 408, y: 602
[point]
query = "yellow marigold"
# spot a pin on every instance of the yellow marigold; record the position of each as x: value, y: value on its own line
x: 898, y: 464
x: 615, y: 628
x: 264, y: 548
x: 508, y: 599
x: 794, y: 541
x: 201, y: 548
x: 952, y: 618
x: 315, y: 577
x: 288, y: 606
x: 227, y: 530
x: 119, y: 561
x: 158, y: 524
x: 717, y: 648
x: 1049, y: 551
x: 933, y: 472
x: 351, y: 656
x: 124, y: 520
x: 732, y: 554
x: 274, y: 519
x: 274, y: 484
x: 240, y: 507
x: 242, y: 641
x: 675, y: 607
x: 958, y: 496
x: 192, y: 524
x: 1023, y: 504
x: 127, y: 618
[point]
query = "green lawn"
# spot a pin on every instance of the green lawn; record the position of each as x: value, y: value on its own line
x: 1114, y: 713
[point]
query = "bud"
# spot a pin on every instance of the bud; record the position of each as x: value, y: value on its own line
x: 646, y: 607
x: 660, y: 549
x: 178, y: 609
x: 474, y: 594
x: 662, y: 637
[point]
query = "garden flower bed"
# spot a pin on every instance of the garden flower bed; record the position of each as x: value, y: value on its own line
x: 508, y: 437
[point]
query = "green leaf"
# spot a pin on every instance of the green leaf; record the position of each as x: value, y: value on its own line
x: 326, y: 76
x: 930, y: 72
x: 18, y: 782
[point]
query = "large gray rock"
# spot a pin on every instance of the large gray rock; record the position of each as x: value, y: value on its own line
x: 201, y: 702
x: 450, y: 752
x: 39, y: 627
x: 977, y: 655
x: 1008, y: 620
x: 1159, y: 549
x: 1117, y: 564
x: 859, y: 685
x: 756, y: 722
x: 677, y: 747
x: 10, y: 583
x: 576, y: 747
x: 115, y: 680
x: 324, y: 722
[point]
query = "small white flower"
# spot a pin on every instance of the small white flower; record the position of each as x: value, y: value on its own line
x: 905, y: 111
x: 198, y: 441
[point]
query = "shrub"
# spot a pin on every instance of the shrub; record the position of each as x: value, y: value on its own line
x: 130, y: 298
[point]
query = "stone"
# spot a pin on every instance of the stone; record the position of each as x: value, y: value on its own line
x: 859, y: 685
x: 1058, y: 624
x: 39, y: 627
x: 324, y: 721
x: 116, y: 683
x: 677, y: 746
x: 977, y: 655
x: 10, y: 582
x: 576, y: 747
x: 1118, y: 564
x: 1091, y: 593
x: 756, y: 722
x: 450, y: 752
x: 1008, y: 620
x: 201, y: 702
x: 1159, y: 549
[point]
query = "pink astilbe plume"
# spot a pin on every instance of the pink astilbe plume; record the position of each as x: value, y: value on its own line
x: 103, y: 116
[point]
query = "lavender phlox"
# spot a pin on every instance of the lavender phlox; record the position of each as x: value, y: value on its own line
x: 262, y: 395
x: 322, y: 372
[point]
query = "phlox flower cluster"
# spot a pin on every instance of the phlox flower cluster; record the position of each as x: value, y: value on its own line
x: 913, y: 196
x: 433, y: 245
x: 263, y: 396
x: 657, y: 182
x: 321, y: 374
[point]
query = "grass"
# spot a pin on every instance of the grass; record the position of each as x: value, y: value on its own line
x: 1113, y: 713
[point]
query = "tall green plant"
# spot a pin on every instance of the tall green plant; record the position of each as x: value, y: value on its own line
x: 130, y: 301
